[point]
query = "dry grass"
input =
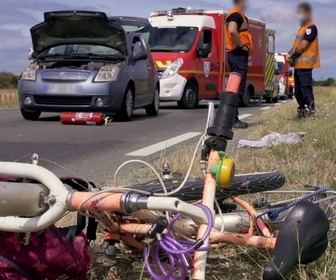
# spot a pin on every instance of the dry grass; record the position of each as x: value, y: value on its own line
x: 9, y: 98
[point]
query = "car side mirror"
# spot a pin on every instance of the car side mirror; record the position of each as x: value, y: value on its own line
x: 204, y: 51
x: 140, y: 56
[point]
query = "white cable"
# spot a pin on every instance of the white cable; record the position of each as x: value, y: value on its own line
x: 222, y: 220
x: 158, y: 175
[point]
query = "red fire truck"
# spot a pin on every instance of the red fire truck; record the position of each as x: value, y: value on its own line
x: 284, y: 69
x: 188, y: 47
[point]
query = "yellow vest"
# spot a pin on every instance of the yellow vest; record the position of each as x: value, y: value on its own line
x: 244, y: 34
x: 310, y: 58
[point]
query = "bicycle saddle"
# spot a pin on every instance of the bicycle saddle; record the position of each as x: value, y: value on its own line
x: 302, y: 239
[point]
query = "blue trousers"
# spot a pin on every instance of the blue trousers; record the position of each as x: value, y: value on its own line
x: 238, y: 62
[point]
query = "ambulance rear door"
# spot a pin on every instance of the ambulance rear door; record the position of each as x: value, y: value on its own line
x: 269, y: 60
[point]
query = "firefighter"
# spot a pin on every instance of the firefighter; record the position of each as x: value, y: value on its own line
x: 291, y: 84
x: 238, y: 46
x: 304, y: 56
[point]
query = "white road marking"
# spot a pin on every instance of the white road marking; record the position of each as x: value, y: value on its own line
x: 265, y: 108
x: 277, y: 104
x: 152, y: 149
x: 244, y: 116
x: 283, y: 101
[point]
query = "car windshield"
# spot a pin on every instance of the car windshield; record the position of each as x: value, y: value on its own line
x: 281, y: 67
x: 81, y: 50
x: 173, y: 39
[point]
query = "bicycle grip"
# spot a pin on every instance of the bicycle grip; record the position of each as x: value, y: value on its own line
x: 226, y: 111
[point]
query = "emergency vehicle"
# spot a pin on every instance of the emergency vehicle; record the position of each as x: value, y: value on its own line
x: 284, y: 68
x: 188, y: 47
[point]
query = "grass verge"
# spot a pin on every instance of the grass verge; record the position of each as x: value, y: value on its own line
x: 9, y: 98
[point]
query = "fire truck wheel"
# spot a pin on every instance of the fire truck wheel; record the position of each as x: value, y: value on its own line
x: 245, y: 100
x: 275, y: 99
x: 153, y: 109
x: 125, y: 113
x: 30, y: 116
x: 189, y: 98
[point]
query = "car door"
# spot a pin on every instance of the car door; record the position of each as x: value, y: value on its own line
x: 210, y: 65
x: 140, y: 71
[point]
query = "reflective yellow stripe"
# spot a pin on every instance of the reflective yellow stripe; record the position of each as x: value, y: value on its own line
x: 168, y: 62
x: 160, y: 64
x: 308, y: 59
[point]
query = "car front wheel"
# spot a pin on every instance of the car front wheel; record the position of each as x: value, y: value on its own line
x: 153, y: 109
x: 127, y: 107
x: 30, y: 116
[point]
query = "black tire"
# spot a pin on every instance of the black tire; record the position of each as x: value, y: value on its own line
x: 125, y: 113
x: 275, y: 99
x: 242, y: 185
x: 154, y: 108
x: 246, y: 99
x: 30, y: 116
x: 268, y: 100
x: 189, y: 98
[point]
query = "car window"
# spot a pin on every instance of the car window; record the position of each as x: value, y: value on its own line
x: 174, y: 39
x: 137, y: 46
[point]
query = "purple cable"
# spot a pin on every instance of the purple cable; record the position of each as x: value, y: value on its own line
x: 178, y: 252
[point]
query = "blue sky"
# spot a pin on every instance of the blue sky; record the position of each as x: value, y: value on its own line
x: 17, y: 16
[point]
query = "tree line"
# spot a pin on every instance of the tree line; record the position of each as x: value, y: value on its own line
x: 8, y: 80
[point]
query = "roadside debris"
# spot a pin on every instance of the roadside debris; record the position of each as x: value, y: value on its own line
x: 273, y: 139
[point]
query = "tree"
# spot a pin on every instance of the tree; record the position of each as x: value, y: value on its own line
x: 8, y: 80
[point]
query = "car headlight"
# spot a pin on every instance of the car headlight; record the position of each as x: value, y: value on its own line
x: 108, y: 74
x: 172, y: 69
x: 30, y: 72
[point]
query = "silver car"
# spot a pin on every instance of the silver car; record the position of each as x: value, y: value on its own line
x: 86, y: 63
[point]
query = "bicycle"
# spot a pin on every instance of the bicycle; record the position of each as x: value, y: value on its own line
x: 187, y: 231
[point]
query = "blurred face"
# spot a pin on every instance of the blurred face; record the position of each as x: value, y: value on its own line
x: 302, y: 15
x: 243, y: 4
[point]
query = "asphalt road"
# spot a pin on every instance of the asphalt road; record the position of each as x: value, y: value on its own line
x: 95, y: 152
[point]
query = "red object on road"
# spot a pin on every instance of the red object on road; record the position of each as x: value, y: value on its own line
x: 82, y: 118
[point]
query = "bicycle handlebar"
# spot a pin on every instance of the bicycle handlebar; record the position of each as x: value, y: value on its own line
x: 60, y: 200
x: 57, y: 197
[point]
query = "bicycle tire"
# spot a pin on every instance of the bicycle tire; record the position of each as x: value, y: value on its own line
x: 242, y: 184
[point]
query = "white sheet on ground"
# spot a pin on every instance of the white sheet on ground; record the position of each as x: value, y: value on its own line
x: 273, y: 139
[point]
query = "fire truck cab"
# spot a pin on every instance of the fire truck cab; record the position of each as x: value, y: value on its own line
x: 188, y: 47
x: 284, y: 68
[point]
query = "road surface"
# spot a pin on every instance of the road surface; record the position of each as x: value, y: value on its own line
x: 95, y: 152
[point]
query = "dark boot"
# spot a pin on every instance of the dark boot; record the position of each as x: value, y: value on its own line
x: 240, y: 125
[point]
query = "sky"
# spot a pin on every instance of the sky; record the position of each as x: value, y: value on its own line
x: 17, y: 16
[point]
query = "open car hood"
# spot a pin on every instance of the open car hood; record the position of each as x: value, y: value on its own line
x: 77, y: 27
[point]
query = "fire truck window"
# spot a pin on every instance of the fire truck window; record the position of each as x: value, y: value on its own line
x: 281, y: 67
x: 271, y: 45
x: 206, y: 38
x: 172, y: 39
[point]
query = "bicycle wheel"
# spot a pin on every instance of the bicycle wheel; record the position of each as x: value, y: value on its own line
x: 242, y: 184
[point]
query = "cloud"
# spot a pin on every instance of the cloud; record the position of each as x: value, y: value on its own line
x: 17, y: 16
